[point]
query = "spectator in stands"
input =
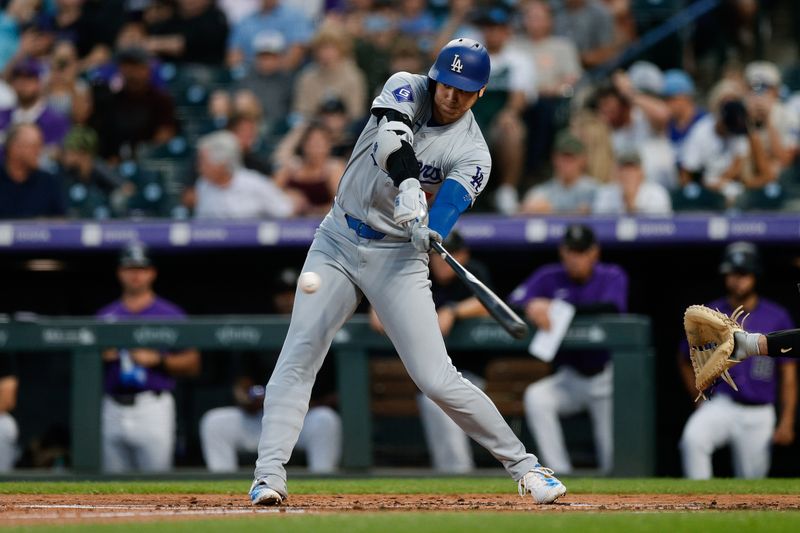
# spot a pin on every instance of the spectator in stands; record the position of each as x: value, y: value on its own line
x: 333, y: 115
x: 8, y: 400
x: 776, y: 125
x: 197, y: 33
x: 590, y: 25
x: 313, y: 172
x: 448, y: 445
x: 273, y: 15
x: 78, y: 163
x: 558, y: 64
x: 138, y: 414
x: 16, y: 15
x: 744, y: 418
x: 64, y: 82
x: 135, y: 112
x: 417, y: 21
x: 267, y: 79
x: 132, y: 34
x: 720, y: 148
x: 227, y: 190
x: 458, y: 22
x: 511, y: 88
x: 237, y: 10
x: 679, y: 93
x: 91, y: 26
x: 332, y: 73
x: 32, y: 107
x: 373, y: 27
x: 406, y: 56
x: 246, y: 127
x: 583, y: 380
x: 570, y: 191
x: 224, y: 431
x: 25, y: 190
x: 631, y: 194
x: 624, y: 22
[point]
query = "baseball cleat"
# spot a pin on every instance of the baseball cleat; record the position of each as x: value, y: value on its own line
x: 261, y: 494
x: 542, y: 485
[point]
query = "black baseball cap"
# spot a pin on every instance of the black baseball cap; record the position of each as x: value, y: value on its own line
x: 135, y: 255
x: 741, y: 258
x: 454, y: 242
x: 578, y: 237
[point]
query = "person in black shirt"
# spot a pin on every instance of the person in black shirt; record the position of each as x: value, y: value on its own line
x: 8, y: 400
x: 26, y: 191
x: 197, y: 33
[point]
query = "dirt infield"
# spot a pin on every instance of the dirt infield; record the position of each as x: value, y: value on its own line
x: 33, y: 509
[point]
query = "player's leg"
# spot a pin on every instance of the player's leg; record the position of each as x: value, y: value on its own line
x: 708, y: 428
x: 315, y: 320
x: 8, y: 442
x: 545, y: 401
x: 116, y: 453
x: 751, y: 443
x: 321, y: 438
x: 220, y: 432
x: 154, y: 442
x: 600, y: 403
x: 402, y: 299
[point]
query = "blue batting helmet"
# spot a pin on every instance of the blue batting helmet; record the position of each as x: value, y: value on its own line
x: 463, y: 64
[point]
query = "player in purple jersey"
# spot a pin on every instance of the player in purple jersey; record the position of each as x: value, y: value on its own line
x: 138, y: 420
x: 745, y: 419
x: 583, y: 380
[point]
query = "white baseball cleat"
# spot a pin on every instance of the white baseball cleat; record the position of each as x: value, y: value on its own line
x: 542, y: 485
x: 261, y: 494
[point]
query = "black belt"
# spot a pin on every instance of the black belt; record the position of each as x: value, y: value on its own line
x: 130, y: 399
x: 363, y: 229
x: 748, y: 403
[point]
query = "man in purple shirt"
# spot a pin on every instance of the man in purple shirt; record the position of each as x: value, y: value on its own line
x: 745, y: 419
x: 583, y: 380
x: 32, y: 107
x: 138, y: 421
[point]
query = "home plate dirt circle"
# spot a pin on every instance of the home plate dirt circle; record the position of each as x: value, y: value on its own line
x: 29, y: 509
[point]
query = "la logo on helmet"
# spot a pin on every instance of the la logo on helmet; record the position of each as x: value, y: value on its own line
x: 456, y: 65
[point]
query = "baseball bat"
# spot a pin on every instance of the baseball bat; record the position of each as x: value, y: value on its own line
x: 507, y: 318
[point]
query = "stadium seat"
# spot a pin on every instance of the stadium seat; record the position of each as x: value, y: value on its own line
x: 694, y: 197
x: 769, y: 198
x: 87, y: 202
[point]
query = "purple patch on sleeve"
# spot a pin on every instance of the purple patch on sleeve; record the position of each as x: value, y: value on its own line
x: 403, y: 94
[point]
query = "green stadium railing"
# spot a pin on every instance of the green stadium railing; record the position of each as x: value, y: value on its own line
x: 627, y: 337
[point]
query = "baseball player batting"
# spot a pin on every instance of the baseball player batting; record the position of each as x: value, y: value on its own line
x: 421, y: 140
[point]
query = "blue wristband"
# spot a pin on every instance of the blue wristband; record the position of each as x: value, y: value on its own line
x: 451, y: 200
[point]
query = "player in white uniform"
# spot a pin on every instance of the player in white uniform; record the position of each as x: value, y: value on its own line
x: 420, y: 141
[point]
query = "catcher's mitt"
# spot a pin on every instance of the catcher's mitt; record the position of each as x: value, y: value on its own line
x: 710, y: 335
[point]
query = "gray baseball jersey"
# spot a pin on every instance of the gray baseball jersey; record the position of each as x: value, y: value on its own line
x: 455, y: 151
x: 393, y: 275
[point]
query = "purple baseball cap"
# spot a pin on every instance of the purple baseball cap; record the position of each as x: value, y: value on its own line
x: 28, y: 67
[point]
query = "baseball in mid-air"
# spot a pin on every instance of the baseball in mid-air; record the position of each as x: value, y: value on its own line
x: 309, y: 282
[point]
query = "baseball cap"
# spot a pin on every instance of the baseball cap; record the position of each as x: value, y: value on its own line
x: 454, y: 242
x: 578, y: 237
x: 759, y: 74
x: 134, y: 255
x: 677, y: 82
x: 567, y: 143
x: 740, y: 257
x: 133, y: 55
x: 81, y: 139
x: 269, y: 42
x: 496, y: 15
x: 631, y: 157
x: 332, y: 105
x: 646, y: 77
x: 28, y: 67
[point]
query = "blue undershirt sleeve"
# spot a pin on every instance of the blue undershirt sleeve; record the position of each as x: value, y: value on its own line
x: 451, y: 200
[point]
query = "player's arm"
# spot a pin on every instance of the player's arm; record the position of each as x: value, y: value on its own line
x: 393, y: 149
x: 783, y: 343
x: 687, y: 375
x: 8, y: 393
x: 451, y: 200
x: 185, y: 363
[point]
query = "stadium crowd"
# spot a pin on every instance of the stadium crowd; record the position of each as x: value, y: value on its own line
x: 116, y: 108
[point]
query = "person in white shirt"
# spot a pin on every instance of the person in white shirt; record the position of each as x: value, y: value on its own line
x: 228, y: 190
x: 511, y: 89
x: 631, y: 194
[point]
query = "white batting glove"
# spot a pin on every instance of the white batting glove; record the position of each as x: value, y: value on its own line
x: 410, y: 204
x: 421, y: 237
